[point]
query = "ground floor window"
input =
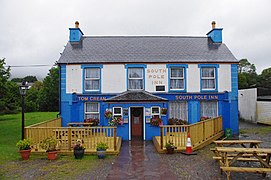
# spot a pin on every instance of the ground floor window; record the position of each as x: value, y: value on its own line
x: 178, y: 110
x: 117, y: 112
x: 208, y: 109
x: 155, y: 112
x: 92, y: 110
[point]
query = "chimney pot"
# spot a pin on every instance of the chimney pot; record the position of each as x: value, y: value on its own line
x: 213, y: 24
x: 76, y: 24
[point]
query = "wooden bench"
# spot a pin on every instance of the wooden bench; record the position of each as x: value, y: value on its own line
x: 243, y: 143
x: 256, y: 155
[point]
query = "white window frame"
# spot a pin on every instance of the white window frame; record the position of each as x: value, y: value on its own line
x: 156, y: 114
x: 208, y: 78
x: 115, y: 114
x: 176, y: 78
x: 86, y: 113
x: 216, y: 108
x: 135, y: 78
x: 92, y: 79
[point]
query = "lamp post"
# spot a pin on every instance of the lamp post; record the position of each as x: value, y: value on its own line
x: 23, y: 88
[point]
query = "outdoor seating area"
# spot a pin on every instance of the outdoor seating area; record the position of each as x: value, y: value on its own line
x: 229, y: 156
x: 67, y: 136
x: 201, y: 133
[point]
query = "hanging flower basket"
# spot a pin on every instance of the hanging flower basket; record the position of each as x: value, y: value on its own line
x: 108, y: 114
x: 156, y: 121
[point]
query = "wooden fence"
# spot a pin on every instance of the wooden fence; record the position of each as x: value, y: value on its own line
x: 50, y: 123
x: 66, y: 136
x: 201, y: 134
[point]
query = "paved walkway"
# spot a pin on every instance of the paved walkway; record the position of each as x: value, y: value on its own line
x: 139, y: 160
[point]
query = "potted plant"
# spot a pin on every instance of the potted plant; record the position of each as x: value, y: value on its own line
x: 93, y: 121
x: 170, y: 147
x: 49, y: 144
x: 79, y: 149
x: 101, y: 149
x: 164, y: 111
x: 115, y: 121
x: 156, y: 121
x: 108, y: 114
x: 24, y: 148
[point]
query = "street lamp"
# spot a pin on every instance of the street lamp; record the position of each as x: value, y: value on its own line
x: 23, y: 88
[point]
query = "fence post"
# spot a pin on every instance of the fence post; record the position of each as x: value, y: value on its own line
x: 161, y: 136
x: 69, y: 138
x: 203, y: 124
x: 115, y: 138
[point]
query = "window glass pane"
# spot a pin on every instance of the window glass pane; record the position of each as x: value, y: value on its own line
x: 92, y: 72
x: 117, y: 110
x: 135, y: 72
x: 135, y: 84
x: 176, y: 84
x: 208, y: 84
x: 208, y: 72
x: 94, y: 116
x: 178, y: 110
x: 155, y: 110
x: 92, y: 107
x: 176, y: 72
x: 92, y: 84
x: 208, y: 109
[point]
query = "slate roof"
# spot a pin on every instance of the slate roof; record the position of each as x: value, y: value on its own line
x: 125, y: 49
x: 135, y: 96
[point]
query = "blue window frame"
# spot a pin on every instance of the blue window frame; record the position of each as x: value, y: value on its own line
x: 208, y: 77
x: 135, y: 76
x: 92, y: 78
x: 177, y: 77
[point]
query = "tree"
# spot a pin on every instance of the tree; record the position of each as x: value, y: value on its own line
x: 49, y: 96
x: 4, y: 75
x: 247, y: 76
x: 32, y: 97
x: 30, y: 79
x: 264, y: 79
x: 246, y: 66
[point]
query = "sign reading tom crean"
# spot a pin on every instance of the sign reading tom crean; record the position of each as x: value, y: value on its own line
x: 196, y: 97
x: 91, y: 98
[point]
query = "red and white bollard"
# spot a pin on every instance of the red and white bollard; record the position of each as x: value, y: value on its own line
x: 188, y: 150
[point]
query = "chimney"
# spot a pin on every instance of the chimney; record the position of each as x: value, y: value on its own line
x: 215, y: 34
x: 75, y: 34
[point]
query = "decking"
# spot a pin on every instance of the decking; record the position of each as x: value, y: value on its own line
x: 67, y: 136
x: 201, y: 134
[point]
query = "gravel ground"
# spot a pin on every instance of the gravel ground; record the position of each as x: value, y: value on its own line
x: 137, y: 161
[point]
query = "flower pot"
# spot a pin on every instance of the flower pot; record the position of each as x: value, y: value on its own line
x: 101, y: 153
x: 170, y: 150
x: 78, y: 154
x: 25, y: 154
x: 52, y: 155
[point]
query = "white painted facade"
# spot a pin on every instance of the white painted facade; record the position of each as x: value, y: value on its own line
x: 114, y: 78
x: 247, y: 103
x: 264, y: 112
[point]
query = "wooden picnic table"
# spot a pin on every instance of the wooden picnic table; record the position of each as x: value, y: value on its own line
x: 243, y: 143
x: 226, y: 161
x: 76, y: 124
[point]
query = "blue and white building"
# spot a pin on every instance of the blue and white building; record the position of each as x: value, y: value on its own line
x: 137, y: 76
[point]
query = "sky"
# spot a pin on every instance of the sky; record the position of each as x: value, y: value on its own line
x: 34, y: 32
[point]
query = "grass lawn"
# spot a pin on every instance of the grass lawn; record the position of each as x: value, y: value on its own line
x: 10, y: 131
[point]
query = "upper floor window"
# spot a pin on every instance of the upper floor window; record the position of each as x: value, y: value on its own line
x: 92, y: 79
x: 208, y: 78
x: 176, y: 78
x: 135, y: 79
x: 208, y: 75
